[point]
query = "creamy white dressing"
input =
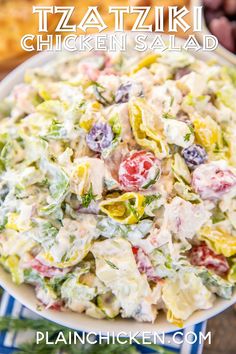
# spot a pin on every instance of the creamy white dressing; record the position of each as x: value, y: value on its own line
x: 52, y: 182
x: 116, y: 267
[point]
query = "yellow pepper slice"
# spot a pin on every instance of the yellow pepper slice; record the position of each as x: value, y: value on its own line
x: 125, y: 209
x: 232, y: 272
x: 145, y: 128
x: 86, y: 123
x: 208, y: 133
x: 69, y: 259
x: 230, y: 138
x: 96, y: 106
x: 14, y: 223
x: 79, y: 179
x: 12, y: 264
x: 172, y: 319
x: 219, y: 241
x: 145, y: 62
x: 73, y: 260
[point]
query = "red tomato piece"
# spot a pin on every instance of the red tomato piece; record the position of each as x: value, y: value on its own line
x: 212, y: 181
x: 202, y: 255
x: 139, y: 170
x: 47, y: 271
x: 56, y: 306
x: 144, y: 264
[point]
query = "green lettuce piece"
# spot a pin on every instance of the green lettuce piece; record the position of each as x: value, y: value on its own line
x: 11, y: 263
x: 217, y: 216
x: 109, y: 304
x: 115, y: 124
x: 10, y: 150
x: 5, y: 108
x: 232, y: 272
x: 152, y: 204
x: 4, y: 190
x: 5, y: 152
x: 48, y: 231
x: 55, y: 108
x: 44, y: 233
x: 35, y: 148
x: 162, y: 263
x: 227, y: 96
x: 229, y: 72
x: 58, y: 185
x: 3, y: 219
x: 31, y: 276
x: 198, y: 102
x: 42, y: 90
x: 182, y: 185
x: 177, y: 60
x: 181, y: 170
x: 56, y: 131
x: 184, y: 191
x: 109, y: 228
x: 4, y: 149
x: 72, y: 288
x: 216, y: 284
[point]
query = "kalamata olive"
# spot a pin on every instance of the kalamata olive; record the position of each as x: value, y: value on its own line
x: 99, y: 137
x: 230, y: 7
x: 223, y: 30
x: 182, y: 72
x: 127, y: 90
x: 194, y: 155
x: 122, y: 94
x: 213, y: 4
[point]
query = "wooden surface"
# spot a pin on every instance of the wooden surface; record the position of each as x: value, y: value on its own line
x: 8, y: 65
x: 223, y: 329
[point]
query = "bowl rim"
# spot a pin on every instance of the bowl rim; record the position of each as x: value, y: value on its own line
x: 103, y: 326
x: 81, y: 322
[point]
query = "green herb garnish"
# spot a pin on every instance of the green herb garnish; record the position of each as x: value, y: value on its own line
x: 218, y: 216
x: 167, y: 115
x: 150, y: 198
x: 187, y: 136
x: 88, y: 197
x: 112, y: 265
x: 99, y: 91
x: 152, y: 181
x: 132, y: 209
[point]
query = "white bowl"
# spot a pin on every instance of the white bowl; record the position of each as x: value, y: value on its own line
x: 222, y: 51
x: 25, y: 293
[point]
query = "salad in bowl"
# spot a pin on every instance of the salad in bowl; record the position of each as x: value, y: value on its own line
x: 118, y: 184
